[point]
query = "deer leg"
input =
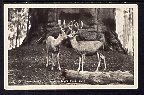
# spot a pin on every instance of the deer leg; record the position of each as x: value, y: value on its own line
x: 98, y: 62
x: 103, y: 57
x: 59, y: 68
x: 104, y: 63
x: 83, y: 57
x: 79, y: 63
x: 47, y: 57
x: 52, y: 62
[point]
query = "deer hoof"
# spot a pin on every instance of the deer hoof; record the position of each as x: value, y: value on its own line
x: 104, y: 69
x: 59, y: 69
x: 52, y: 68
x: 97, y: 70
x: 78, y: 69
x: 46, y: 65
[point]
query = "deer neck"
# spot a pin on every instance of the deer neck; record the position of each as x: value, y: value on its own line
x: 74, y: 42
x: 58, y: 40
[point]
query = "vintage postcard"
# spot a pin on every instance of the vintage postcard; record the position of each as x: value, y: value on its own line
x: 70, y: 46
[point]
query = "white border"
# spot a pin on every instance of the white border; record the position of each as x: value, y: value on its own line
x: 53, y: 87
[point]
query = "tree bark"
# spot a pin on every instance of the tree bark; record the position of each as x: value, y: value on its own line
x: 17, y: 33
x: 100, y: 77
x: 28, y: 23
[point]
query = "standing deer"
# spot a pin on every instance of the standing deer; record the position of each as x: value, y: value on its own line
x: 52, y: 47
x: 84, y: 48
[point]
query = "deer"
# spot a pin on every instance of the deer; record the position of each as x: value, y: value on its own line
x: 52, y: 48
x: 85, y: 48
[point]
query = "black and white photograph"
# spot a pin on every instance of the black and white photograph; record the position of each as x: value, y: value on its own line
x: 70, y: 46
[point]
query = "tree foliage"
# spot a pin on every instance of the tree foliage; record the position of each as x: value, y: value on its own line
x: 17, y: 25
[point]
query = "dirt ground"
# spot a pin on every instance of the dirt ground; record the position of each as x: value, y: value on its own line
x: 27, y: 65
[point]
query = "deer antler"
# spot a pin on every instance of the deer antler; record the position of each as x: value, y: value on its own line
x: 76, y: 24
x: 62, y: 29
x: 71, y: 22
x: 74, y: 29
x: 81, y: 24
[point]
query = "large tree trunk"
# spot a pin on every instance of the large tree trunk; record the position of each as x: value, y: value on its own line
x: 17, y: 34
x: 99, y: 77
x: 125, y: 29
x: 34, y: 26
x: 92, y: 18
x: 28, y: 22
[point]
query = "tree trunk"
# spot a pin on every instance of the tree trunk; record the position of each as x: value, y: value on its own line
x: 17, y: 35
x: 49, y: 16
x: 99, y: 77
x: 34, y: 26
x: 28, y: 23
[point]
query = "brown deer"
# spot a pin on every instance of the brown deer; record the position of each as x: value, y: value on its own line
x: 52, y: 47
x: 84, y: 48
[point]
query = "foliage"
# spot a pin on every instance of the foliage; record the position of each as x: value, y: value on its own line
x: 17, y: 23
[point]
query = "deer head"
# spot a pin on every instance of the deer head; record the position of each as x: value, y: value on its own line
x: 72, y: 34
x: 73, y: 27
x: 73, y: 30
